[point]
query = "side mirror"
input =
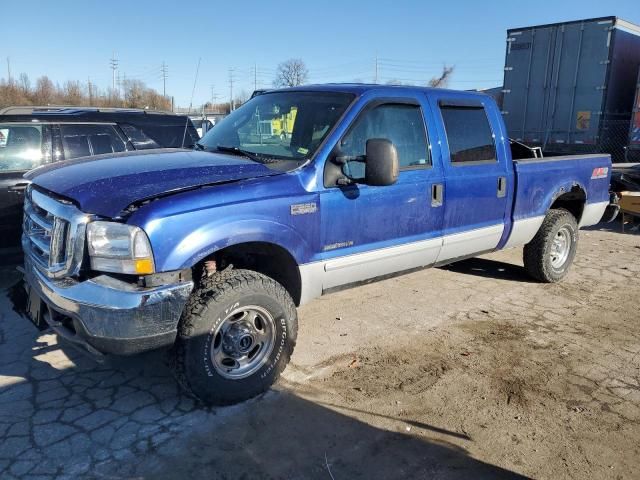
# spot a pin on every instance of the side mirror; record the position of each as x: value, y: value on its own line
x: 381, y: 164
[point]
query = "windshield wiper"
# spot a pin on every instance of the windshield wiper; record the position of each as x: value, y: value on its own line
x: 198, y: 146
x: 256, y: 157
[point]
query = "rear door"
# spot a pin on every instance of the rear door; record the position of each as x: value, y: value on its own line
x: 23, y: 146
x: 478, y: 190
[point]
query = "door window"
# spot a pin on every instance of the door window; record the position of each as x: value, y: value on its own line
x: 23, y: 146
x: 402, y: 124
x: 469, y: 134
x: 87, y: 140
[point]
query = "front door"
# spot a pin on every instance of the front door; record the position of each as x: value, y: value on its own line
x: 371, y: 231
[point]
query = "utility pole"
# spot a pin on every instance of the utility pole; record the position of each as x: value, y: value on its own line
x: 165, y: 74
x: 375, y: 80
x: 214, y: 100
x: 255, y: 77
x: 231, y: 102
x: 9, y: 70
x: 90, y: 91
x: 114, y: 66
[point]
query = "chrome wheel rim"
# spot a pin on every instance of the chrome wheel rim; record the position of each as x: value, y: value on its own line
x: 560, y: 248
x: 243, y: 342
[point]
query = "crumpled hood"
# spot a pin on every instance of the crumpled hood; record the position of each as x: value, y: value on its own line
x: 107, y: 184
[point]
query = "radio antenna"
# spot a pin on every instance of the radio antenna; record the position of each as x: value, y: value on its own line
x: 193, y: 91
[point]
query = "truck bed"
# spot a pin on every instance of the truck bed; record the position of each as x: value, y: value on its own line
x: 541, y: 180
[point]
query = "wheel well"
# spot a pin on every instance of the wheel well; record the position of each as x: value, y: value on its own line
x: 266, y: 258
x: 572, y: 201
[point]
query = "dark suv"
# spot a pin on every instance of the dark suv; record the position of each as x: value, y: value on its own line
x: 34, y: 136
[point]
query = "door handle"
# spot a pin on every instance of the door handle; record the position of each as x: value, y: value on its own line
x: 18, y: 187
x: 502, y: 187
x: 437, y: 194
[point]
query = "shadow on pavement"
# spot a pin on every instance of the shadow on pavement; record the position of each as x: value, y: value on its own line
x: 616, y: 227
x: 64, y: 416
x: 484, y: 267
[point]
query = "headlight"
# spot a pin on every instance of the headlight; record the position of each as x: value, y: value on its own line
x: 119, y: 248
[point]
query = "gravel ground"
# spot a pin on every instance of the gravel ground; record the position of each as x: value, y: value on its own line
x: 469, y: 371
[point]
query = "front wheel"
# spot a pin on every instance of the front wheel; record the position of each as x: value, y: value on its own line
x: 235, y: 337
x: 549, y: 255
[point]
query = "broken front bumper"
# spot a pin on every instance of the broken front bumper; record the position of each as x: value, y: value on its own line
x: 108, y: 316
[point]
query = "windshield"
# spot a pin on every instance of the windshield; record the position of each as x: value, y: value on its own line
x: 280, y: 125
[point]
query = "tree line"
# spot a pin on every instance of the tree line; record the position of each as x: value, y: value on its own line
x: 135, y: 94
x: 131, y: 94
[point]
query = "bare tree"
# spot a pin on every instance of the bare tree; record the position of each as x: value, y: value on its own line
x: 291, y: 73
x: 72, y: 93
x: 25, y: 84
x: 443, y: 80
x: 44, y: 92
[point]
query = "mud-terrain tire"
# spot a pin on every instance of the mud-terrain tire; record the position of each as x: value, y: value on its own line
x: 230, y: 315
x: 548, y: 256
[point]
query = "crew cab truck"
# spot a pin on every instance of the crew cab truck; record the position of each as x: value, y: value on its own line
x: 210, y: 251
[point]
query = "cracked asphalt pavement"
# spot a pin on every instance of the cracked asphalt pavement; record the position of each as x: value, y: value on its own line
x: 467, y: 371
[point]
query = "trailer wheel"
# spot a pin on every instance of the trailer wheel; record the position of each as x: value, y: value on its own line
x: 235, y: 337
x: 549, y: 255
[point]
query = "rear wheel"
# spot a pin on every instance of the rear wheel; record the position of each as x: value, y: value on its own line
x: 551, y: 252
x: 236, y: 336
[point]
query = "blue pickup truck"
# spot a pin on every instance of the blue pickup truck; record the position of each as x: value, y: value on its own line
x: 210, y: 250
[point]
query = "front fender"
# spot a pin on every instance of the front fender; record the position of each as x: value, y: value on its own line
x: 210, y: 238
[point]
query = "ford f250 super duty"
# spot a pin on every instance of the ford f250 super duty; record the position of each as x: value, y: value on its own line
x: 210, y: 250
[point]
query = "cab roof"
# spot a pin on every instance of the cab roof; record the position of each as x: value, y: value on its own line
x: 361, y: 88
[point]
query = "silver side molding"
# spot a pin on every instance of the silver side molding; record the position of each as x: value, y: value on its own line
x: 318, y: 277
x: 523, y: 231
x: 376, y: 263
x: 592, y: 213
x: 473, y: 241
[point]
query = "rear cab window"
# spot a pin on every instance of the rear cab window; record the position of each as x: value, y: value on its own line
x: 24, y: 146
x: 469, y: 134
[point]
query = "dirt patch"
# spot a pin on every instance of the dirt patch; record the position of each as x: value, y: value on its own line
x: 376, y: 372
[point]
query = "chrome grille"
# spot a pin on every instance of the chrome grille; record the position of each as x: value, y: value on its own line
x: 53, y: 234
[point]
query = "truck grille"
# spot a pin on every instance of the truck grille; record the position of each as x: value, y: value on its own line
x: 53, y: 234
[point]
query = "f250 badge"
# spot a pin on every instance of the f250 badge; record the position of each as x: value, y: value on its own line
x: 304, y: 208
